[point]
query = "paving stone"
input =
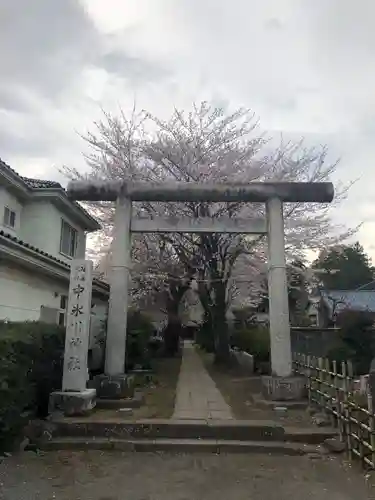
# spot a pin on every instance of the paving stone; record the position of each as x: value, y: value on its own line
x: 197, y: 395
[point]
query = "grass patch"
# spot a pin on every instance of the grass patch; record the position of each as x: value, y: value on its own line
x: 238, y: 391
x: 159, y: 394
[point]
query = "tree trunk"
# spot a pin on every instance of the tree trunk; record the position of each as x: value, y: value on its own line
x: 220, y: 325
x: 172, y: 331
x: 215, y: 325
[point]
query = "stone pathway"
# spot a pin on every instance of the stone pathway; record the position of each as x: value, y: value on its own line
x: 197, y: 396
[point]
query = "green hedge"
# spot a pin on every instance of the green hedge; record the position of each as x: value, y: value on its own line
x: 139, y: 332
x: 31, y: 364
x: 205, y: 337
x: 255, y: 341
x: 357, y: 339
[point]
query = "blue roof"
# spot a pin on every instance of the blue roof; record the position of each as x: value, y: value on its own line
x: 361, y: 300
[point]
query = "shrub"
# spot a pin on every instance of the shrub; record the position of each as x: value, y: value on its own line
x: 31, y: 365
x: 138, y: 341
x: 255, y: 341
x: 205, y: 337
x: 340, y: 352
x: 357, y: 334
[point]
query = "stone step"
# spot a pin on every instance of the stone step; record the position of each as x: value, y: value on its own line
x: 180, y: 446
x: 245, y: 430
x: 313, y: 435
x: 171, y: 429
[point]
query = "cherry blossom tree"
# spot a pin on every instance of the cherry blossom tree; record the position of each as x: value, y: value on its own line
x: 208, y: 144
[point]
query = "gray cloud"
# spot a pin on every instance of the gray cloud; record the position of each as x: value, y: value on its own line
x: 129, y: 67
x: 35, y: 141
x: 43, y: 45
x: 44, y: 48
x: 306, y: 68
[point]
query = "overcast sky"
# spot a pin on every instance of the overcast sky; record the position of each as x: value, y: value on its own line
x: 306, y: 68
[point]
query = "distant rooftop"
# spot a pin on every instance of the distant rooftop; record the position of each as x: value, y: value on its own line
x: 360, y: 300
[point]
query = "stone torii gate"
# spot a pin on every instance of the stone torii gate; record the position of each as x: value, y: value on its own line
x: 124, y: 193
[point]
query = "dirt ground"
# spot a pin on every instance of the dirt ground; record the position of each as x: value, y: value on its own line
x: 159, y: 394
x: 149, y: 476
x: 239, y: 391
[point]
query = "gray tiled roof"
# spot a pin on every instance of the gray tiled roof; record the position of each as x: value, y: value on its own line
x: 361, y: 300
x: 24, y: 244
x: 32, y: 183
x: 42, y: 184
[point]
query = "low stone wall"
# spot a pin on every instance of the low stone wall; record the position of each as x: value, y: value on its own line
x: 314, y: 341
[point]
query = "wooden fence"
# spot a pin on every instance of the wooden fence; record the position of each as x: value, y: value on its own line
x: 331, y: 388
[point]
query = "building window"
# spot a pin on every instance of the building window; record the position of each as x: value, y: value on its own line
x: 9, y: 217
x: 69, y: 239
x: 62, y: 310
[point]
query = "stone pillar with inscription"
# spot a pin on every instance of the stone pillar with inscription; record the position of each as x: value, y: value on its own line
x: 75, y: 398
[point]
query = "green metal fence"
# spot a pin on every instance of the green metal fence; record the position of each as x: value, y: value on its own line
x: 331, y: 389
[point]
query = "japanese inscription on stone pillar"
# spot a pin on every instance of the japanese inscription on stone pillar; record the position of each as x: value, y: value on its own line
x: 78, y: 326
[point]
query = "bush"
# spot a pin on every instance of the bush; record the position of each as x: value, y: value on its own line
x: 205, y: 337
x: 340, y: 352
x: 255, y: 341
x: 138, y: 340
x: 357, y: 334
x: 31, y: 366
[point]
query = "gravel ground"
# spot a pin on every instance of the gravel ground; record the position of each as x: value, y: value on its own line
x: 149, y: 476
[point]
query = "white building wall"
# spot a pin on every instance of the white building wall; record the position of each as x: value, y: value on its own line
x: 10, y: 201
x: 22, y: 294
x: 41, y: 227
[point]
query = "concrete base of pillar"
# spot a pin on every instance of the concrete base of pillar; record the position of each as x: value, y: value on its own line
x: 284, y: 388
x: 113, y: 386
x: 72, y: 403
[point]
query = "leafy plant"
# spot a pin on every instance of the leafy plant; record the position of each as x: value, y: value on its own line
x: 139, y: 332
x: 31, y: 364
x: 255, y: 341
x: 205, y: 337
x: 357, y: 334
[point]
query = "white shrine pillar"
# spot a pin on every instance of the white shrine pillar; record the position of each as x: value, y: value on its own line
x: 119, y: 281
x: 281, y: 354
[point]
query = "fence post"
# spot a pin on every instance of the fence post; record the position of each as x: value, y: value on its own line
x: 371, y: 409
x: 321, y: 379
x: 347, y: 409
x: 308, y: 377
x: 330, y: 391
x: 371, y: 379
x: 337, y: 403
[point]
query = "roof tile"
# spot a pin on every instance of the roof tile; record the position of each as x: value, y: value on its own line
x: 43, y: 184
x: 38, y: 250
x: 40, y: 184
